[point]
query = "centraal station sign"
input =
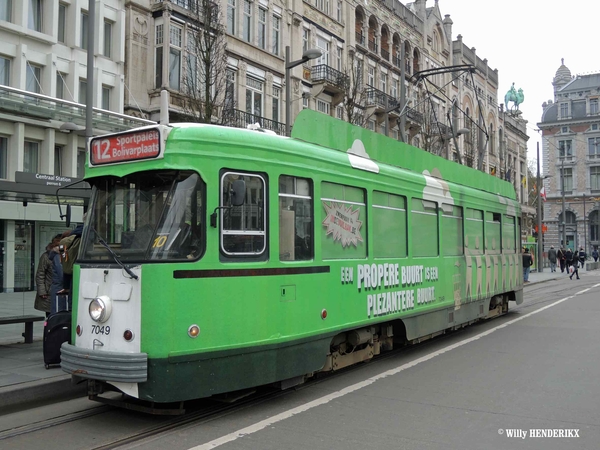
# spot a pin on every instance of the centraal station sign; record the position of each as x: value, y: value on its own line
x: 44, y: 179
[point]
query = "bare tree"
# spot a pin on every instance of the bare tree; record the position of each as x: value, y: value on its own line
x: 207, y: 93
x: 354, y: 92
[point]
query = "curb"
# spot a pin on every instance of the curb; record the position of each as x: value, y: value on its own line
x: 40, y: 391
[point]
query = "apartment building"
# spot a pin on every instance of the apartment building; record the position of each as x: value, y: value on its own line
x: 571, y: 136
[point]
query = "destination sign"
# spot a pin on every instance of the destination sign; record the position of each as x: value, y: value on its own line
x: 133, y: 146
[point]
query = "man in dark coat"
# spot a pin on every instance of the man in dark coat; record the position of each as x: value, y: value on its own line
x: 552, y: 258
x: 561, y: 259
x: 43, y: 279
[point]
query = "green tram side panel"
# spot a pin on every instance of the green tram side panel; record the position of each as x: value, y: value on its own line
x: 320, y: 129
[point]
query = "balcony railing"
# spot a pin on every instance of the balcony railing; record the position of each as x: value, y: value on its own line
x: 373, y: 46
x: 29, y: 104
x: 328, y: 74
x: 241, y: 119
x: 415, y: 116
x: 380, y: 99
x: 385, y: 54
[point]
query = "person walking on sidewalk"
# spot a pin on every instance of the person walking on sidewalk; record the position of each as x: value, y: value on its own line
x: 595, y: 254
x: 582, y: 256
x: 568, y: 260
x: 527, y: 263
x: 552, y: 258
x: 575, y: 265
x: 561, y: 259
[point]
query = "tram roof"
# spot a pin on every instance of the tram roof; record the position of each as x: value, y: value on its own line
x: 320, y: 129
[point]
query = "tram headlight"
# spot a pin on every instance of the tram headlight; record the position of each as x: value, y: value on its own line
x: 100, y: 308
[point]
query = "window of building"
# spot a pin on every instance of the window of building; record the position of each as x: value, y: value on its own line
x: 58, y: 159
x: 81, y: 162
x: 33, y: 78
x: 594, y: 106
x: 323, y: 45
x: 262, y: 27
x: 339, y: 112
x: 296, y: 224
x: 158, y: 77
x: 108, y: 31
x: 34, y: 21
x: 60, y: 85
x: 175, y: 41
x: 31, y: 152
x: 371, y: 76
x: 383, y: 82
x: 424, y: 226
x: 305, y: 39
x: 276, y: 34
x: 4, y: 71
x: 394, y: 88
x: 3, y: 156
x: 338, y: 10
x: 343, y: 221
x: 254, y: 96
x: 567, y: 179
x: 323, y: 106
x: 82, y: 91
x: 231, y: 16
x: 564, y: 110
x: 390, y: 235
x: 230, y: 91
x: 595, y: 178
x: 84, y: 30
x: 243, y: 228
x: 276, y: 103
x: 593, y: 147
x: 62, y: 22
x: 564, y: 149
x: 247, y: 21
x: 106, y: 92
x: 6, y: 10
x: 322, y: 5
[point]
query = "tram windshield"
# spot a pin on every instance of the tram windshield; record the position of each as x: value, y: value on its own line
x: 146, y: 216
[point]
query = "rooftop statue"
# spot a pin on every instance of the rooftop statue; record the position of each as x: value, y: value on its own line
x: 513, y: 96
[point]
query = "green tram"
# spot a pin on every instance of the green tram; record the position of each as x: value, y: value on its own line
x: 217, y: 259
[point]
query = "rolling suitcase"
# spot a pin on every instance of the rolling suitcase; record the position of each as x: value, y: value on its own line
x: 57, y: 329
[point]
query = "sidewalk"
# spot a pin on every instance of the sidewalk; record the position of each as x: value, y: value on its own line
x: 23, y: 376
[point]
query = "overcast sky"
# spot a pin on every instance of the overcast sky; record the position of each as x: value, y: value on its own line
x: 525, y: 40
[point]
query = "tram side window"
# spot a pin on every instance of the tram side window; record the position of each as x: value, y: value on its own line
x: 343, y: 219
x: 389, y: 226
x: 452, y: 230
x: 474, y: 232
x: 295, y: 219
x: 493, y: 236
x: 243, y: 228
x: 424, y: 228
x: 509, y: 234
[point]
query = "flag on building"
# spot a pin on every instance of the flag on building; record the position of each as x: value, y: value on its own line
x: 543, y: 193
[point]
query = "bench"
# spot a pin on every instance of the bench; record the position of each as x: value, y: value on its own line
x: 27, y: 320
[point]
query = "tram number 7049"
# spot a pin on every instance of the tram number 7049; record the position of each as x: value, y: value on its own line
x: 97, y: 329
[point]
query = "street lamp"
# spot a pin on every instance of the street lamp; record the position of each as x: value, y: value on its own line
x: 540, y: 255
x: 562, y: 189
x: 307, y: 55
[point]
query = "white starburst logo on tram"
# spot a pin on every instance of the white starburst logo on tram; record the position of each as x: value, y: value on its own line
x: 343, y: 224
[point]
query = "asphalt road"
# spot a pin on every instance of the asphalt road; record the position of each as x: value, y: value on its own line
x: 527, y: 380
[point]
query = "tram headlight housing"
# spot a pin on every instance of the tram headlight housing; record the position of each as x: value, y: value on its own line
x: 100, y: 308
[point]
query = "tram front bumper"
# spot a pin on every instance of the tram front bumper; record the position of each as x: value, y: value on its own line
x: 104, y: 366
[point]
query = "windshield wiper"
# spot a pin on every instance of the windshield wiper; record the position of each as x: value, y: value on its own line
x: 114, y: 255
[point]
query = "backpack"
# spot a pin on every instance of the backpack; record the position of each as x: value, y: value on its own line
x: 69, y: 256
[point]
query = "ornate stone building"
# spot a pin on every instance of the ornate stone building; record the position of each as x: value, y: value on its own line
x: 571, y: 133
